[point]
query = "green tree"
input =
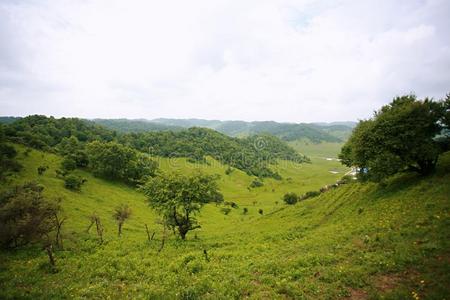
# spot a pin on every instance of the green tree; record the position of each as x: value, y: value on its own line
x: 68, y: 164
x: 73, y: 182
x: 178, y: 198
x: 26, y: 216
x: 290, y: 198
x: 8, y: 155
x: 400, y: 136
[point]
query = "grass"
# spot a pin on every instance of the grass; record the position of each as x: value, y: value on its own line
x: 359, y: 240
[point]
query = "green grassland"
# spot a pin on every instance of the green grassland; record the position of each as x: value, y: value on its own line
x: 316, y: 150
x: 359, y: 240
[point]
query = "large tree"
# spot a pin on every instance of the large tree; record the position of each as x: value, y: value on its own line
x: 401, y: 136
x: 179, y: 197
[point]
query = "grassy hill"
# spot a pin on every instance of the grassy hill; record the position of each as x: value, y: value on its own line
x: 359, y: 240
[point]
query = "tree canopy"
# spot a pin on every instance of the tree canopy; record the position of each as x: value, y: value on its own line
x: 177, y: 198
x: 401, y: 136
x: 115, y: 161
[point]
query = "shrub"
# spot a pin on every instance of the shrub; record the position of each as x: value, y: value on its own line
x: 225, y: 210
x: 245, y: 211
x: 73, y: 182
x: 310, y: 194
x: 68, y: 164
x: 260, y: 211
x: 290, y: 198
x: 26, y: 216
x: 121, y: 214
x: 256, y: 183
x: 228, y: 171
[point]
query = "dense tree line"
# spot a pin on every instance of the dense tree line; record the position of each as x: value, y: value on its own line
x: 408, y: 134
x: 8, y: 162
x: 253, y: 154
x: 116, y: 155
x: 44, y: 133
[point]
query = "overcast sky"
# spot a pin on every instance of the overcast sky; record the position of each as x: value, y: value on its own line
x: 283, y: 60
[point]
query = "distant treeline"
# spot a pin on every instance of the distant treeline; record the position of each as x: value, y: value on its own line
x: 316, y: 133
x: 252, y: 154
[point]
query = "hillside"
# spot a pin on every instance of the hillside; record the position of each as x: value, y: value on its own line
x: 251, y: 154
x: 316, y: 133
x: 358, y: 240
x: 127, y: 126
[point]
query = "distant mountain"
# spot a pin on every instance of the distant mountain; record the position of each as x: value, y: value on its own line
x: 350, y: 124
x: 315, y: 132
x: 8, y: 120
x: 139, y: 125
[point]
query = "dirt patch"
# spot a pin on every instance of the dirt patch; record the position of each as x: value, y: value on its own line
x: 358, y: 294
x: 386, y: 283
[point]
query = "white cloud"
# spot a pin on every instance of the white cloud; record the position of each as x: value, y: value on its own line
x: 284, y: 60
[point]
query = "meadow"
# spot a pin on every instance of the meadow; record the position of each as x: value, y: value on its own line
x: 360, y: 240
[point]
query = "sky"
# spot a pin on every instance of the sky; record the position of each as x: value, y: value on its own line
x: 281, y: 60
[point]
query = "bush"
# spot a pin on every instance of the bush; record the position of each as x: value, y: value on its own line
x: 73, y: 182
x: 256, y: 183
x: 310, y: 194
x: 225, y: 210
x: 245, y: 211
x: 228, y: 171
x: 68, y: 164
x: 290, y: 198
x: 26, y: 216
x: 260, y: 211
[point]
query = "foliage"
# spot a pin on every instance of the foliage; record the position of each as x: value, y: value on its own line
x: 252, y: 155
x: 69, y: 136
x: 290, y: 198
x: 26, y: 216
x: 121, y: 214
x: 225, y: 210
x: 41, y: 169
x: 8, y: 161
x: 178, y: 197
x: 115, y: 161
x: 43, y: 132
x: 73, y: 182
x: 68, y: 164
x: 399, y: 137
x: 256, y: 183
x: 316, y: 133
x: 309, y: 194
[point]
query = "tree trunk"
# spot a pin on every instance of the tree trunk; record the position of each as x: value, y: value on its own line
x: 426, y: 167
x: 163, y: 239
x: 49, y: 250
x: 148, y: 233
x: 182, y: 230
x: 120, y: 228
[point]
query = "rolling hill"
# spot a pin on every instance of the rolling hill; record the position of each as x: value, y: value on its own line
x: 360, y: 240
x: 314, y: 132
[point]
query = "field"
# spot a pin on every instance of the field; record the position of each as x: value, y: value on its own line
x: 359, y: 240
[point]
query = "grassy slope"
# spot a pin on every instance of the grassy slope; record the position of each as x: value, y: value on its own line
x: 360, y: 240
